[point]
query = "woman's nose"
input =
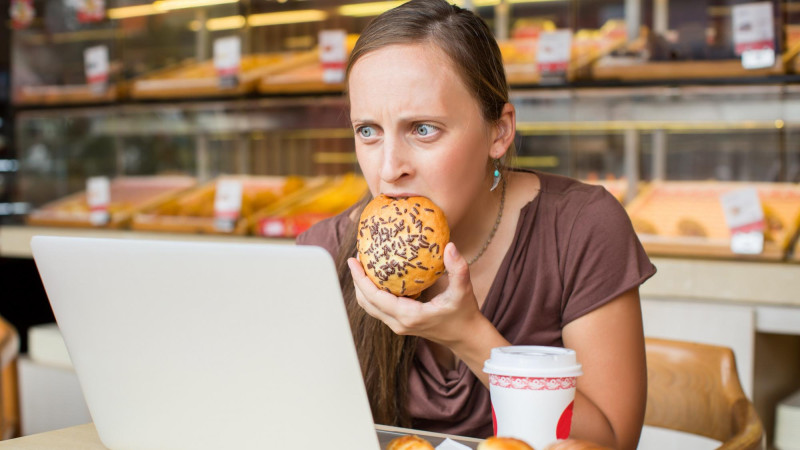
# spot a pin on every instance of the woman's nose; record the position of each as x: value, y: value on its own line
x: 395, y: 164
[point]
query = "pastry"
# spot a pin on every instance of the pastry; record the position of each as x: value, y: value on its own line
x: 643, y: 226
x: 691, y: 227
x: 503, y: 443
x: 401, y: 243
x: 409, y: 442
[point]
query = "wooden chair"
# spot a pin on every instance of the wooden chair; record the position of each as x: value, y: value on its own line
x: 695, y: 388
x: 9, y: 399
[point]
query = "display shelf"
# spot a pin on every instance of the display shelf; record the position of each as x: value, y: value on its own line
x: 635, y: 71
x: 67, y: 95
x: 742, y: 282
x: 687, y: 218
x: 747, y: 282
x: 15, y: 239
x: 194, y: 80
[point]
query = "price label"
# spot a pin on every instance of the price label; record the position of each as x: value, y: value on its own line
x: 751, y: 243
x: 333, y: 55
x: 553, y: 52
x: 98, y: 197
x: 91, y: 10
x: 22, y: 13
x: 754, y: 34
x: 96, y: 66
x: 227, y: 204
x: 273, y: 227
x: 228, y: 60
x: 745, y: 218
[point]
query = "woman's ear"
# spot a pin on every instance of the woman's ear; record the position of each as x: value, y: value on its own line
x: 505, y: 130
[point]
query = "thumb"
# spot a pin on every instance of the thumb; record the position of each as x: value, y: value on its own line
x: 456, y: 266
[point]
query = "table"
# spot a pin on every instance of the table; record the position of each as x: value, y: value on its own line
x: 85, y: 437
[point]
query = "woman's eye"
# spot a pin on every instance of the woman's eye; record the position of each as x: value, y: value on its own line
x: 424, y: 129
x: 366, y: 132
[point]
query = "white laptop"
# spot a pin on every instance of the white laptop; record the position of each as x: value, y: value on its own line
x: 208, y: 346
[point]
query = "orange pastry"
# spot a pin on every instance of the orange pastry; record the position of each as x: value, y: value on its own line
x: 401, y: 243
x: 409, y: 443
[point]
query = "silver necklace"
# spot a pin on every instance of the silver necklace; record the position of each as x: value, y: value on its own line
x: 496, y: 224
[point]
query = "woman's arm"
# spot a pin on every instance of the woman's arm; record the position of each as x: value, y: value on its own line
x: 612, y: 392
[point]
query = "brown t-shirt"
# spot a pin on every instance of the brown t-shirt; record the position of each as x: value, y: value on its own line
x: 574, y: 250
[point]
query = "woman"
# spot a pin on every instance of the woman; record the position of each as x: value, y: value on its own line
x: 533, y: 259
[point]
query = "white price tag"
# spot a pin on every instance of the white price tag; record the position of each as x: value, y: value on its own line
x: 748, y: 243
x: 227, y: 204
x: 745, y: 218
x: 449, y: 444
x: 228, y: 60
x: 758, y: 59
x: 553, y: 51
x: 273, y: 228
x: 754, y: 34
x: 98, y: 197
x: 333, y: 55
x: 95, y: 61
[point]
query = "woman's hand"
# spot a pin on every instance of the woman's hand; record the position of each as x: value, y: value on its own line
x: 451, y: 318
x: 444, y: 319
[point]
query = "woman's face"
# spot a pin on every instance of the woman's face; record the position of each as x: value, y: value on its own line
x: 418, y: 130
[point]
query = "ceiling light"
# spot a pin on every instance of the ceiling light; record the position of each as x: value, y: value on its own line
x: 169, y: 5
x: 367, y: 9
x: 132, y: 11
x: 225, y: 23
x: 280, y: 18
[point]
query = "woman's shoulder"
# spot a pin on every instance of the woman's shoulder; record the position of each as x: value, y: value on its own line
x: 569, y: 194
x: 328, y: 233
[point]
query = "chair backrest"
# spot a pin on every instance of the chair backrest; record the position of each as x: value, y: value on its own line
x: 9, y: 399
x: 695, y: 388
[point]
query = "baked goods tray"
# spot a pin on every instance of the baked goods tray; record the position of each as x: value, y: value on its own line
x: 634, y: 69
x: 520, y: 57
x: 293, y: 216
x: 67, y: 94
x: 303, y: 79
x: 687, y: 219
x: 195, y: 79
x: 128, y: 196
x: 193, y: 211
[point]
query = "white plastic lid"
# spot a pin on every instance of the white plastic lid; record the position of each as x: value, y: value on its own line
x: 533, y: 361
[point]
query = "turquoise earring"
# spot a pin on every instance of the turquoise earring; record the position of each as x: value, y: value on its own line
x: 497, y: 176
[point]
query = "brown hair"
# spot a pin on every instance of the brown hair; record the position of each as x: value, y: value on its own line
x: 386, y: 357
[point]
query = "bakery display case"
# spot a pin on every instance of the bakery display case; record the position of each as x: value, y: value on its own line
x: 173, y: 112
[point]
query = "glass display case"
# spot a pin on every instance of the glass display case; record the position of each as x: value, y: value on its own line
x: 640, y: 91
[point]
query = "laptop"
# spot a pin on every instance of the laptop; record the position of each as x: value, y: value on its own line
x: 197, y: 346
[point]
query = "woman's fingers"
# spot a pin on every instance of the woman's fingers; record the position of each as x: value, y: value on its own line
x: 376, y: 302
x: 457, y: 270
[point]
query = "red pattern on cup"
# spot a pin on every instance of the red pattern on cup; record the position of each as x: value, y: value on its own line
x: 533, y: 384
x: 565, y: 422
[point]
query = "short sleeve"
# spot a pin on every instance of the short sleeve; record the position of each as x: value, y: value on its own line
x: 604, y: 257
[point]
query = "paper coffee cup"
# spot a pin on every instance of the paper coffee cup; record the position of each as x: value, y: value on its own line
x: 532, y: 390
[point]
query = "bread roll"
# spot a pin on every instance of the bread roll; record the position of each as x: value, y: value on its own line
x: 409, y: 443
x: 401, y: 244
x: 503, y: 443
